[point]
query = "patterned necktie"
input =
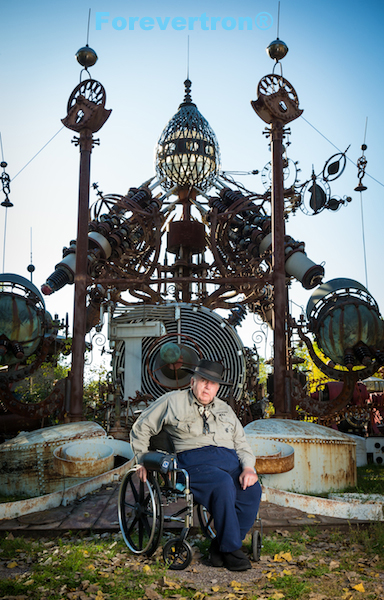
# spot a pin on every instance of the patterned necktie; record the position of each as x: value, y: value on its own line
x: 204, y: 412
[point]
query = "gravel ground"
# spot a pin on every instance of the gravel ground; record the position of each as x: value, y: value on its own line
x: 202, y: 576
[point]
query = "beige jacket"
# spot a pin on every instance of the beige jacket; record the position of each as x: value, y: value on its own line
x: 178, y: 412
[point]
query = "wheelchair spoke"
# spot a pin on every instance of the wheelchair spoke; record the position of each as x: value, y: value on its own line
x: 140, y: 513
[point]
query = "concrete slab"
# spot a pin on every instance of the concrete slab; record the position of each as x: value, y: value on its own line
x: 97, y: 511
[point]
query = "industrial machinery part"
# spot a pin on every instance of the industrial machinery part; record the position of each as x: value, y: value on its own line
x: 156, y: 345
x: 297, y: 264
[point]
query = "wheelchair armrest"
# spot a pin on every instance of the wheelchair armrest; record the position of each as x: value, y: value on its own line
x: 159, y: 461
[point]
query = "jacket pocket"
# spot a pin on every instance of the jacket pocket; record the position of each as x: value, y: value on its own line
x: 225, y: 424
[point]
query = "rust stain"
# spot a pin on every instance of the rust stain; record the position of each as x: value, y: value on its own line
x: 87, y: 467
x: 268, y: 465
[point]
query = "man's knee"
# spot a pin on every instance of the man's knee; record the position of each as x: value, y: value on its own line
x: 222, y: 485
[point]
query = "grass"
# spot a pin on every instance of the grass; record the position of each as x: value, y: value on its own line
x: 82, y: 566
x: 293, y: 566
x: 370, y: 479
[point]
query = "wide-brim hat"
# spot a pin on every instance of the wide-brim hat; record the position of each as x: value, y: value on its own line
x: 213, y: 371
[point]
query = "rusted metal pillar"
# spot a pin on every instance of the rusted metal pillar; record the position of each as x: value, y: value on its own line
x: 86, y: 115
x: 79, y: 315
x: 278, y: 266
x: 277, y: 104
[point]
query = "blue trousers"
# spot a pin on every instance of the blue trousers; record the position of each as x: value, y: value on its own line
x: 214, y: 481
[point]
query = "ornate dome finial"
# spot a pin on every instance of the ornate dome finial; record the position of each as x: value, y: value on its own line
x: 187, y: 97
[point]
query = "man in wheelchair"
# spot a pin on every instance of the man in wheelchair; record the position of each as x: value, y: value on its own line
x: 211, y: 446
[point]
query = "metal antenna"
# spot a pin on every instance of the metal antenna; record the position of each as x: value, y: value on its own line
x: 89, y: 19
x: 188, y: 58
x: 31, y: 266
x: 6, y: 210
x: 364, y: 147
x: 365, y: 131
x: 278, y: 19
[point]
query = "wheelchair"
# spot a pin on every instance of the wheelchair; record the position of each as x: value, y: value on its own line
x: 143, y: 508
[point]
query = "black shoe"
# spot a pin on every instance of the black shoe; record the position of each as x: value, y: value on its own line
x: 215, y: 555
x: 236, y: 561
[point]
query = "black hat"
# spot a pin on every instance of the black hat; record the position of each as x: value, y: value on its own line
x: 213, y: 371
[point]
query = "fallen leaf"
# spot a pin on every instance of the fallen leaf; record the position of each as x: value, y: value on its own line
x: 169, y: 583
x: 93, y: 589
x: 215, y: 588
x: 12, y: 564
x: 146, y: 569
x: 334, y: 564
x: 152, y: 594
x: 235, y: 583
x: 284, y: 533
x: 359, y: 587
x: 283, y: 556
x: 277, y: 596
x: 198, y: 596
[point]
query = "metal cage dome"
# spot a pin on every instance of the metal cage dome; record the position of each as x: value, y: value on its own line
x: 187, y: 153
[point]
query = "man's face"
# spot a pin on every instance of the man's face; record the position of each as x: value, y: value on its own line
x: 203, y: 389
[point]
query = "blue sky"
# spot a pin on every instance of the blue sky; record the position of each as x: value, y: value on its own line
x: 334, y: 64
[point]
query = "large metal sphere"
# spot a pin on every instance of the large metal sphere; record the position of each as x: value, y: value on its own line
x: 22, y: 318
x: 86, y: 56
x: 170, y: 353
x: 343, y: 315
x: 277, y: 49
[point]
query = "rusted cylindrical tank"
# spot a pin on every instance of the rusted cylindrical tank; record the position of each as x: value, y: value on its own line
x: 26, y: 461
x: 85, y: 458
x: 325, y: 459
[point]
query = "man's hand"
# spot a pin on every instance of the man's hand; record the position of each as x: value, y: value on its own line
x: 142, y: 473
x: 248, y: 477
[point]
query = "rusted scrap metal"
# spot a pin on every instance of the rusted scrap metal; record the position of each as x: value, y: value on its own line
x: 52, y: 405
x: 267, y: 465
x: 319, y: 408
x: 83, y: 459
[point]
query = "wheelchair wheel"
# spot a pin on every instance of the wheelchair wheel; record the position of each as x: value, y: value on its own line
x: 206, y: 522
x: 178, y: 554
x: 256, y: 545
x: 140, y: 513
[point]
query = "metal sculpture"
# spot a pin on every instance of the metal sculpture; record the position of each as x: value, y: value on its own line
x: 189, y: 241
x: 27, y: 331
x: 174, y: 242
x: 349, y: 330
x: 86, y: 114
